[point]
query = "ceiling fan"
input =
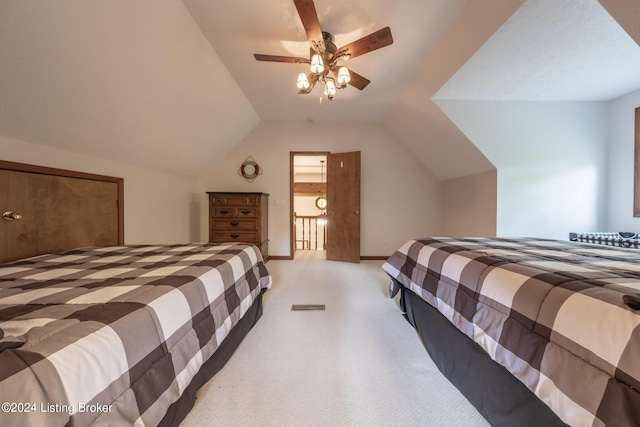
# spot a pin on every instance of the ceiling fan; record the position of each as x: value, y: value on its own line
x: 324, y: 57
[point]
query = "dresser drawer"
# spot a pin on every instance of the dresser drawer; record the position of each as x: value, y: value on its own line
x: 235, y: 236
x: 231, y: 212
x: 234, y: 200
x: 233, y: 224
x: 247, y: 212
x: 224, y: 212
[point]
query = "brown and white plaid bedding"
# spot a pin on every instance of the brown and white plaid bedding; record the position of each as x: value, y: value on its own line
x: 113, y: 335
x: 554, y: 313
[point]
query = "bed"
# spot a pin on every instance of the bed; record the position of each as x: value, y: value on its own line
x: 532, y: 331
x: 121, y: 335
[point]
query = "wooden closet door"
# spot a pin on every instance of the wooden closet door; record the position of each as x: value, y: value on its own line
x: 58, y: 214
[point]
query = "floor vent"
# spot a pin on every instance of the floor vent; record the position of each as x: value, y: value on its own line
x: 307, y: 307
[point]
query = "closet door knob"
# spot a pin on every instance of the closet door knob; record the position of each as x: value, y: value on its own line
x: 11, y: 216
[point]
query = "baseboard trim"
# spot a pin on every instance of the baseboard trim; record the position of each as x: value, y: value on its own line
x: 362, y: 258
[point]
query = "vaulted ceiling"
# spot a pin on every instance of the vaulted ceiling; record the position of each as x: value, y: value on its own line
x: 173, y: 85
x: 237, y: 30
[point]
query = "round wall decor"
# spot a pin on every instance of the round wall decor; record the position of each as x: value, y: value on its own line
x: 250, y: 170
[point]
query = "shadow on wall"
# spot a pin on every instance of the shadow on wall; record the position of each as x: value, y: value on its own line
x: 194, y: 217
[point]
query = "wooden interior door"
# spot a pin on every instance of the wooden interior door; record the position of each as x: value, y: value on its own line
x: 58, y: 213
x: 343, y: 207
x: 292, y: 213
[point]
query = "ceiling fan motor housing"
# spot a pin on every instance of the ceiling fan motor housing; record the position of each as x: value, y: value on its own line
x: 328, y: 56
x: 328, y: 42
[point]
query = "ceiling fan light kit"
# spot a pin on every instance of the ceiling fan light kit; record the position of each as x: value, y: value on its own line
x: 324, y: 55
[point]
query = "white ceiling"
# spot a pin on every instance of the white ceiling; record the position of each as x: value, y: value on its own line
x: 551, y: 50
x: 172, y: 85
x: 309, y: 164
x: 238, y: 29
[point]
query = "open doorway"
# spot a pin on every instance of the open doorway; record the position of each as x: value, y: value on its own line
x: 326, y: 188
x: 309, y: 202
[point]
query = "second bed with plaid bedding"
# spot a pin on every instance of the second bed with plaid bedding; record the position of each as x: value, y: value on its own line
x: 562, y: 317
x: 114, y: 335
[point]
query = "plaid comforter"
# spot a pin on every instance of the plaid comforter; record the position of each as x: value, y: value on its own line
x: 558, y: 315
x: 622, y: 239
x: 114, y: 335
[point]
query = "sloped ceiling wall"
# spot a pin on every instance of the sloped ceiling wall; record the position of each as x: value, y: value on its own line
x: 238, y: 30
x: 139, y: 83
x: 130, y: 81
x: 535, y: 99
x: 572, y: 50
x: 419, y: 123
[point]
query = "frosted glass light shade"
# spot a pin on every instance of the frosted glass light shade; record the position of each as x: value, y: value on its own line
x: 343, y: 76
x: 303, y: 83
x: 317, y: 65
x: 329, y: 88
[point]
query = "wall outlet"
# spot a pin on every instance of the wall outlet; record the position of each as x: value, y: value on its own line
x: 281, y: 202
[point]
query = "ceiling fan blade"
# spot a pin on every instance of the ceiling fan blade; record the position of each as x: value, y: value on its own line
x: 311, y: 24
x: 373, y: 41
x: 358, y: 81
x: 275, y: 58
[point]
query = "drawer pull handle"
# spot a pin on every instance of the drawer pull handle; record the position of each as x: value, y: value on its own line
x: 224, y: 211
x: 246, y: 211
x: 235, y: 224
x: 235, y: 235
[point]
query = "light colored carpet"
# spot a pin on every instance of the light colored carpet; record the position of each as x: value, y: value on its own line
x: 359, y: 363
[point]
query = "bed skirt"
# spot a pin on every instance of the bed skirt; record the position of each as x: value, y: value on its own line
x: 501, y: 398
x: 178, y: 411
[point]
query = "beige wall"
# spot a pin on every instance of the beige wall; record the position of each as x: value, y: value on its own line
x: 400, y: 199
x: 469, y: 205
x: 159, y: 207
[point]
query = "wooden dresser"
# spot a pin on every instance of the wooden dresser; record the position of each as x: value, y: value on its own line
x: 239, y: 217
